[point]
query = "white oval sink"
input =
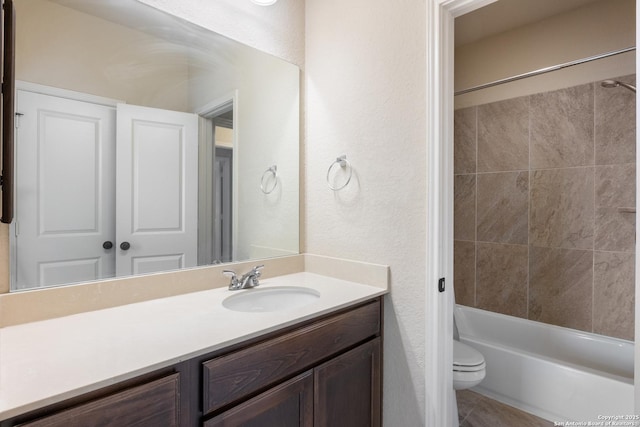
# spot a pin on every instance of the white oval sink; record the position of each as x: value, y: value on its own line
x: 276, y: 298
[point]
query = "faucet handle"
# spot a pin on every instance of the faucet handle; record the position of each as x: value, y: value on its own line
x: 256, y: 270
x: 234, y: 277
x: 254, y: 275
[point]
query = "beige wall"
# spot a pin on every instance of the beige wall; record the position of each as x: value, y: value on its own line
x: 60, y: 47
x: 596, y: 28
x: 366, y: 99
x: 267, y: 124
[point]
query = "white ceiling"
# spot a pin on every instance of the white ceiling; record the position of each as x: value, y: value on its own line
x: 504, y: 15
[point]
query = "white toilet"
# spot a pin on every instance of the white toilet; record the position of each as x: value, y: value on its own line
x: 469, y: 368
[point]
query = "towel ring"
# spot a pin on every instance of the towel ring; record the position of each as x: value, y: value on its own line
x: 270, y: 172
x: 344, y: 163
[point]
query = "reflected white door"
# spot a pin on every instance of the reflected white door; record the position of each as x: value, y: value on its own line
x: 65, y: 181
x: 157, y: 188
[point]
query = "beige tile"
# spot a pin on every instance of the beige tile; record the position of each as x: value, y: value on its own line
x: 614, y: 294
x: 562, y: 128
x: 614, y: 230
x: 491, y: 413
x: 560, y: 287
x: 464, y: 227
x: 562, y: 212
x: 464, y: 272
x: 615, y: 124
x: 616, y: 185
x: 503, y: 207
x: 464, y: 140
x: 501, y: 278
x: 503, y: 135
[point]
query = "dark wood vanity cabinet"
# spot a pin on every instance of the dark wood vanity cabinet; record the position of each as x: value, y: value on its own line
x: 345, y: 391
x: 322, y: 372
x: 338, y: 357
x: 155, y: 403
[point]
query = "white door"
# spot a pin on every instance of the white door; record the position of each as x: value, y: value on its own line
x: 157, y: 187
x: 65, y: 183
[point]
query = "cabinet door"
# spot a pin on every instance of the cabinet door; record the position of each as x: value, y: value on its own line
x: 287, y: 405
x: 347, y: 389
x: 155, y: 404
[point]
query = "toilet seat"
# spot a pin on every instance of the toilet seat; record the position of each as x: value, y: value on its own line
x: 469, y: 367
x: 467, y: 359
x: 476, y: 368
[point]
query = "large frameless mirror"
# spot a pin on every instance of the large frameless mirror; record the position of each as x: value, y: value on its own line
x: 145, y: 143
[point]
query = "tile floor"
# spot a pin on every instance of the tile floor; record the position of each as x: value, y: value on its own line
x: 475, y: 410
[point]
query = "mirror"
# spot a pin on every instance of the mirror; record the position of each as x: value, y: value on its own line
x: 145, y: 143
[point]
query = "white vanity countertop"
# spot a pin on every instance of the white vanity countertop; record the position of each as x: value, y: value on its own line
x: 46, y: 362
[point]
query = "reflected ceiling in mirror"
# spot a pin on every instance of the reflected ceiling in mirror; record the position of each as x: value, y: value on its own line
x: 144, y: 145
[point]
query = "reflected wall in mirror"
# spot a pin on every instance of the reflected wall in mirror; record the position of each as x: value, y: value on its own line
x: 141, y: 145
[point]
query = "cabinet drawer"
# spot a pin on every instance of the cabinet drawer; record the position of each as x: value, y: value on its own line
x: 231, y: 377
x: 155, y: 404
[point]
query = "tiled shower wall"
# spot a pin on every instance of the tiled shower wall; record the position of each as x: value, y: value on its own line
x: 541, y: 183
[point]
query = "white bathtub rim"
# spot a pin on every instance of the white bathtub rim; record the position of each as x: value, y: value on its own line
x: 557, y: 328
x: 543, y: 358
x: 624, y: 353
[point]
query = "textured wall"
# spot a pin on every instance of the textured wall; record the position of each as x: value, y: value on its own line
x: 538, y: 186
x: 98, y: 57
x: 366, y: 98
x: 277, y: 29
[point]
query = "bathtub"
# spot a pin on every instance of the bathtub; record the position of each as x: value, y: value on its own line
x: 556, y: 373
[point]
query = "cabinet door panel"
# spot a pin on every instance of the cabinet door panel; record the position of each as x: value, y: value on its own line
x: 287, y: 405
x: 154, y: 404
x: 347, y: 389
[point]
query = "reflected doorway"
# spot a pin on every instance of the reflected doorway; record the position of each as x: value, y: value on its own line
x: 217, y: 145
x: 223, y: 189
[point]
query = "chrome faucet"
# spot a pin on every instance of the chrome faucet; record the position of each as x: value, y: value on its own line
x: 247, y: 281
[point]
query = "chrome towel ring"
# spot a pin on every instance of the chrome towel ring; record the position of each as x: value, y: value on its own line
x: 344, y: 164
x: 271, y: 172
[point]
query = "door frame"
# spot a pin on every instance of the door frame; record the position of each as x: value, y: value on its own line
x: 439, y: 250
x: 207, y: 112
x: 439, y: 394
x: 637, y: 254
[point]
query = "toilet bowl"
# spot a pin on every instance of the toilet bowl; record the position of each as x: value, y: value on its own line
x: 469, y: 368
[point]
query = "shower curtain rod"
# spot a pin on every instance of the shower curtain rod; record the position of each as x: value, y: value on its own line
x: 544, y: 70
